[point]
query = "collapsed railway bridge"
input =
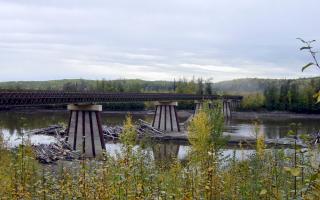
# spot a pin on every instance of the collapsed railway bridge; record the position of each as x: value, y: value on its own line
x: 84, y: 126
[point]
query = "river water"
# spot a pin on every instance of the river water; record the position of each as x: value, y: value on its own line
x: 14, y: 124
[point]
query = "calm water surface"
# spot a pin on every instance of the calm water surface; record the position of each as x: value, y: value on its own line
x: 14, y: 124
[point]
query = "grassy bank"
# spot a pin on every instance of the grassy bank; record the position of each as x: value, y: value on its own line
x: 133, y: 174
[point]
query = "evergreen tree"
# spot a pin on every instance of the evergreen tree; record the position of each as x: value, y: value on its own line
x: 208, y: 87
x: 283, y: 96
x: 272, y: 97
x: 200, y: 87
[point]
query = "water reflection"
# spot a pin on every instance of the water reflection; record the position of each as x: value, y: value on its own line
x: 165, y: 152
x: 273, y: 128
x: 14, y: 139
x: 23, y: 121
x: 15, y: 123
x: 160, y: 152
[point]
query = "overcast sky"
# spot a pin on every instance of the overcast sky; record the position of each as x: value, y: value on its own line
x: 155, y: 40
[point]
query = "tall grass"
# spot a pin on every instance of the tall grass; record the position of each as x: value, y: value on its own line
x: 133, y: 174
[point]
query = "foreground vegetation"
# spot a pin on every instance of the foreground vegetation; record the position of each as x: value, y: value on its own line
x: 133, y: 174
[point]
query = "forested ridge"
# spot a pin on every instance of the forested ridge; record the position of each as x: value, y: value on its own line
x: 245, y: 85
x: 123, y: 85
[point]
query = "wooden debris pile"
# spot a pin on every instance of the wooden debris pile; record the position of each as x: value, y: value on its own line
x: 112, y: 133
x: 51, y: 130
x: 143, y: 128
x: 49, y: 153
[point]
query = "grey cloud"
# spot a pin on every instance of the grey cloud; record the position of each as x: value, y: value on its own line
x: 154, y: 39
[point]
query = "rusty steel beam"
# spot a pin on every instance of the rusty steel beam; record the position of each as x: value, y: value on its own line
x: 33, y: 98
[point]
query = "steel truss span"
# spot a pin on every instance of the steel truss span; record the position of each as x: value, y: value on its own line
x: 60, y: 98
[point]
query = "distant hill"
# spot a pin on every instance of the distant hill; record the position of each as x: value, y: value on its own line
x: 38, y: 85
x: 253, y: 85
x: 130, y: 85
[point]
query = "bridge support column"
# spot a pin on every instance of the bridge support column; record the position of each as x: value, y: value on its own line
x: 166, y: 118
x: 85, y: 131
x: 238, y: 103
x: 226, y: 109
x: 198, y: 107
x: 199, y: 104
x: 232, y: 105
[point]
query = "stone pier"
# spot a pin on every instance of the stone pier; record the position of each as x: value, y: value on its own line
x: 166, y: 118
x: 85, y: 131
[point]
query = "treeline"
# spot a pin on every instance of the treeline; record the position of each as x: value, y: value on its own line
x: 121, y: 85
x: 293, y: 96
x: 286, y: 95
x: 194, y: 86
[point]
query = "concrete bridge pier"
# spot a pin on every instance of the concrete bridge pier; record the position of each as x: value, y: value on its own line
x: 238, y: 103
x: 85, y: 131
x: 233, y: 105
x: 198, y: 106
x: 226, y: 109
x: 166, y: 118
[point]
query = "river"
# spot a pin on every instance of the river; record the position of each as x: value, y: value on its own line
x: 14, y: 123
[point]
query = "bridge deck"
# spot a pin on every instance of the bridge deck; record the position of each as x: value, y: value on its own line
x: 60, y: 97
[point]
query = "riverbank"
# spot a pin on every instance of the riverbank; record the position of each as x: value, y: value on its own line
x: 273, y: 115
